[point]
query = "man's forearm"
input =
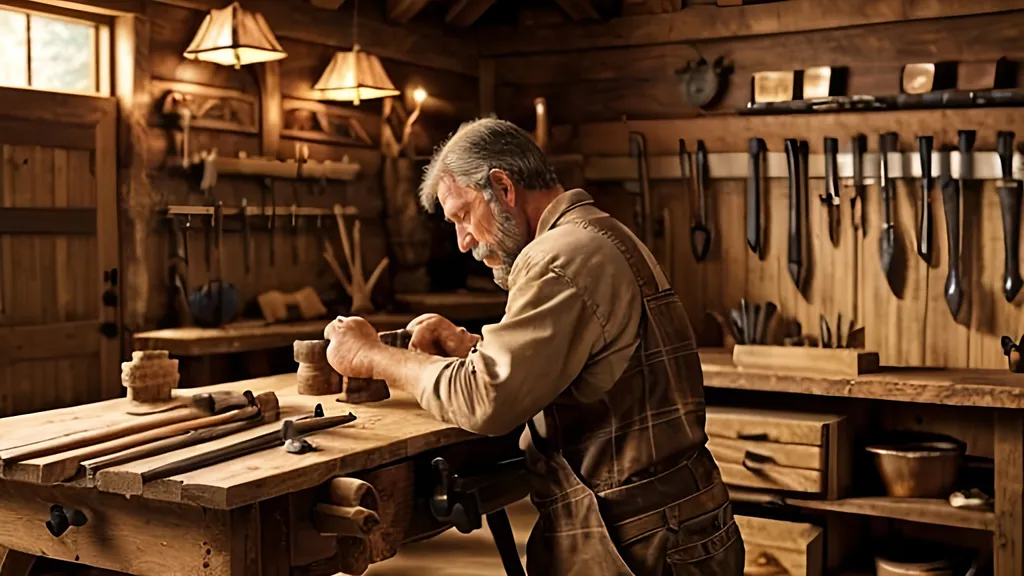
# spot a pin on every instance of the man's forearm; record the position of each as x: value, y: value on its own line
x: 402, y: 369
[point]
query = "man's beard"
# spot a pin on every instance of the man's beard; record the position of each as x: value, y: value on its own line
x: 510, y: 239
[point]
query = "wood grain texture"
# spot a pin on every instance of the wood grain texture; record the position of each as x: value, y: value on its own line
x: 14, y: 563
x: 797, y: 546
x: 119, y: 534
x: 733, y: 450
x: 1008, y: 550
x: 708, y: 22
x: 923, y: 510
x: 768, y: 425
x: 772, y: 477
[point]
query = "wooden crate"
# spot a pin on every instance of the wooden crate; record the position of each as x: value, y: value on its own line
x: 775, y: 450
x: 797, y: 547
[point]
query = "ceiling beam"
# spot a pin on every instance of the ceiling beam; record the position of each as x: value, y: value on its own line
x: 401, y: 11
x: 327, y: 4
x: 579, y: 9
x: 464, y: 12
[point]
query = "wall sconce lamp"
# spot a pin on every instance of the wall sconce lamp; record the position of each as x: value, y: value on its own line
x: 355, y: 75
x: 389, y: 145
x: 235, y: 37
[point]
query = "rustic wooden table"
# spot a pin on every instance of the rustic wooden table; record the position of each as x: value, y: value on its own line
x: 250, y: 515
x: 983, y: 407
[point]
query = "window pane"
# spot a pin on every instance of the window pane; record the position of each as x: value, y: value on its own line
x: 63, y: 54
x: 13, y: 48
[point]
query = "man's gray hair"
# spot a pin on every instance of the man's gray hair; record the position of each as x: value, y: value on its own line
x: 480, y: 146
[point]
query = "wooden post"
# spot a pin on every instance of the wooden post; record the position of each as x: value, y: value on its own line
x: 486, y: 83
x: 1008, y: 544
x: 270, y: 108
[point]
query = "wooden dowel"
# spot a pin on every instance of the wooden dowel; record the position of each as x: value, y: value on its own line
x: 345, y: 520
x: 353, y: 492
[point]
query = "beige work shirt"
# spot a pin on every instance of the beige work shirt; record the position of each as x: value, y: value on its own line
x: 571, y: 320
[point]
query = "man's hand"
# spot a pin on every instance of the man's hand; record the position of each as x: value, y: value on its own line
x: 435, y: 334
x: 353, y: 342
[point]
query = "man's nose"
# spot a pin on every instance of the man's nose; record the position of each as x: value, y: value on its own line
x: 465, y: 238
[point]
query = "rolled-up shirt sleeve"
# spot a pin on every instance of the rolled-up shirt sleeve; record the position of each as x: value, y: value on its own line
x: 522, y: 363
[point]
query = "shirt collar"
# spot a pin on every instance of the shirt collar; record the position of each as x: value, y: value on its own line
x: 562, y: 203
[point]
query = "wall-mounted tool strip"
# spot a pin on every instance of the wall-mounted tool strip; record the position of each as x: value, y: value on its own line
x: 259, y: 211
x: 734, y: 166
x: 287, y: 170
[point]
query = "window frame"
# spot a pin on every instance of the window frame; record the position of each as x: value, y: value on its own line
x: 102, y: 40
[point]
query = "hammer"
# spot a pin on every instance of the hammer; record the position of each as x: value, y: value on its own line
x: 204, y: 405
x: 268, y: 411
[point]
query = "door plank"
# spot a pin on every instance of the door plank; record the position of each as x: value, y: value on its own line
x: 105, y: 171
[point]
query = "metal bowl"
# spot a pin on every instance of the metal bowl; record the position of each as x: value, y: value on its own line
x: 885, y: 567
x: 919, y: 467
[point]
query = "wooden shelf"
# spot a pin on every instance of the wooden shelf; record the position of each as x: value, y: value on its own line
x: 924, y: 510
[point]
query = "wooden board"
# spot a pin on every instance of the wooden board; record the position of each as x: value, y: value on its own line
x: 134, y: 536
x: 824, y: 362
x: 768, y: 425
x: 732, y: 450
x: 952, y: 387
x: 797, y: 546
x: 247, y: 336
x: 924, y: 510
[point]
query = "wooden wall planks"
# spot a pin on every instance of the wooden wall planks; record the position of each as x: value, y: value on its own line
x: 914, y: 328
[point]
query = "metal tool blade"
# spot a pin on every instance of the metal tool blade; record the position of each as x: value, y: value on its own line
x: 924, y: 230
x: 951, y: 208
x: 748, y: 322
x: 736, y: 325
x: 826, y: 333
x: 858, y: 145
x: 795, y: 248
x: 887, y: 243
x: 700, y: 234
x: 754, y: 232
x: 1009, y: 202
x: 831, y: 197
x: 295, y: 235
x: 188, y: 227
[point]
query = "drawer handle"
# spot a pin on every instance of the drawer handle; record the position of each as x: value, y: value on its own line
x: 755, y: 462
x: 758, y: 436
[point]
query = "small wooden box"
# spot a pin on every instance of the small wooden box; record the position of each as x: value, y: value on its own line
x: 796, y: 547
x: 804, y: 360
x: 782, y: 451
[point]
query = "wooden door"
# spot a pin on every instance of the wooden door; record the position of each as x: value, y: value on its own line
x: 59, y: 286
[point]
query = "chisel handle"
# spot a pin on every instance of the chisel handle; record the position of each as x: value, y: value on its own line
x: 795, y: 251
x: 858, y: 145
x: 702, y: 179
x: 1004, y: 147
x: 951, y: 208
x: 966, y: 149
x: 757, y: 148
x: 1009, y: 201
x: 924, y: 225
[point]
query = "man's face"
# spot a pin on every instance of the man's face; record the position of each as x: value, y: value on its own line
x: 492, y: 229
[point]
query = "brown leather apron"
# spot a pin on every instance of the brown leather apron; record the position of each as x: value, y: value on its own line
x: 624, y: 484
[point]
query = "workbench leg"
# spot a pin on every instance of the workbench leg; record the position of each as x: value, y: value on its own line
x: 275, y: 541
x: 14, y: 563
x: 1008, y: 546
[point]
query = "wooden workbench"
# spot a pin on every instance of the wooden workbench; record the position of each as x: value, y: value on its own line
x: 250, y: 515
x: 982, y: 407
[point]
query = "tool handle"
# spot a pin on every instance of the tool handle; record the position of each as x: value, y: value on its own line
x: 1009, y: 201
x: 887, y: 144
x: 924, y: 224
x: 702, y: 179
x: 858, y: 145
x: 757, y: 147
x: 793, y: 162
x: 966, y: 148
x: 951, y: 207
x: 1004, y: 147
x: 218, y: 217
x: 831, y: 170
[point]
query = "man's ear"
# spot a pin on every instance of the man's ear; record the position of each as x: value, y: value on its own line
x: 502, y: 185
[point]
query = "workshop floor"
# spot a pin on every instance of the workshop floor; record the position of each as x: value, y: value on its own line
x: 455, y: 554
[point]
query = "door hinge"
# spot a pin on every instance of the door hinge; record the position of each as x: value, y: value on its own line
x: 109, y: 330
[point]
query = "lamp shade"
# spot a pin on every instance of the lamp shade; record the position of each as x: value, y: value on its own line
x: 235, y: 37
x: 354, y: 76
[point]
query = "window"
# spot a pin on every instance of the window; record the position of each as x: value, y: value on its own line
x: 50, y: 52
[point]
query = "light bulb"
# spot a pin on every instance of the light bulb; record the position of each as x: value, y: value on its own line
x: 419, y: 95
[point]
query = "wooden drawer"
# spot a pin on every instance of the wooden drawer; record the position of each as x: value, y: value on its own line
x: 774, y: 450
x: 797, y: 548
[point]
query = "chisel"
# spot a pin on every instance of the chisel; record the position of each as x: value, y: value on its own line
x: 858, y: 145
x: 246, y: 251
x: 887, y: 241
x: 757, y: 154
x: 924, y: 230
x: 951, y: 208
x: 831, y: 197
x: 1009, y: 202
x: 795, y: 249
x: 700, y: 234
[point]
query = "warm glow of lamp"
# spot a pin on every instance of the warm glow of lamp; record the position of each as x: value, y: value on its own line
x: 355, y: 76
x: 419, y: 95
x: 235, y: 37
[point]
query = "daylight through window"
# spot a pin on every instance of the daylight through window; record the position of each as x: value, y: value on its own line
x: 48, y: 52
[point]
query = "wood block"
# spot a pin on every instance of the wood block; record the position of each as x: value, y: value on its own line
x: 797, y: 547
x: 822, y: 362
x: 360, y: 390
x: 310, y: 351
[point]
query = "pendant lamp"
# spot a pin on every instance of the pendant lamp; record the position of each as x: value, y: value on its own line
x: 235, y: 37
x: 355, y: 75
